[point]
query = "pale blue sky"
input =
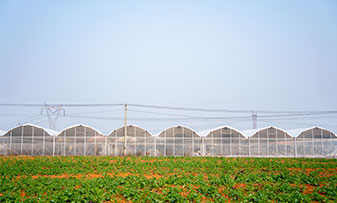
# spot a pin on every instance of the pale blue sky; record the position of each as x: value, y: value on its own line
x: 256, y: 55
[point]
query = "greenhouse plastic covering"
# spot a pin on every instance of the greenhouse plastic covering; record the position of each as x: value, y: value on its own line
x: 225, y: 141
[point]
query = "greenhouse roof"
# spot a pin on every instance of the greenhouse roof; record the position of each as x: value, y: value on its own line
x: 49, y: 131
x: 297, y: 132
x: 251, y: 132
x: 77, y: 125
x: 177, y: 126
x: 131, y: 125
x: 204, y: 133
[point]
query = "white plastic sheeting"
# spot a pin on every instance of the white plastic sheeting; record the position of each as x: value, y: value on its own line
x: 2, y: 132
x: 28, y: 139
x: 315, y: 142
x: 83, y: 140
x: 79, y: 140
x: 178, y: 141
x: 140, y: 142
x: 224, y: 141
x: 270, y: 142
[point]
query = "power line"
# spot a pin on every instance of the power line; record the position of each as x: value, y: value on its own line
x: 256, y: 115
x: 166, y: 114
x: 22, y: 105
x: 24, y: 120
x: 277, y: 117
x: 299, y: 123
x: 56, y: 105
x: 93, y: 112
x: 231, y: 111
x: 167, y: 108
x: 313, y: 117
x: 158, y: 118
x: 14, y: 115
x: 190, y: 109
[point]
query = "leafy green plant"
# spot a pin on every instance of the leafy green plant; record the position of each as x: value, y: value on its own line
x: 166, y: 179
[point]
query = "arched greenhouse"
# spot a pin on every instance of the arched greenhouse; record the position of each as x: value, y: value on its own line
x: 224, y: 141
x: 27, y: 139
x: 178, y: 141
x: 315, y: 142
x: 139, y: 142
x: 83, y: 140
x: 270, y: 142
x: 79, y: 140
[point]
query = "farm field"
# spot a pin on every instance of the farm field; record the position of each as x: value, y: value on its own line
x: 167, y: 179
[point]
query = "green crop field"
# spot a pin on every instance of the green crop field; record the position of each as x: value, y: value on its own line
x: 167, y: 179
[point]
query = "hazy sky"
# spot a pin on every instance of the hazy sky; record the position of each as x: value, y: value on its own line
x: 255, y: 55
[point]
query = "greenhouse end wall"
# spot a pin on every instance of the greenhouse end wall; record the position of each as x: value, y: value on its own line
x: 82, y: 140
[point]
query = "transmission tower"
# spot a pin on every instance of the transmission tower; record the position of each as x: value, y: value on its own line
x: 53, y: 113
x: 254, y: 119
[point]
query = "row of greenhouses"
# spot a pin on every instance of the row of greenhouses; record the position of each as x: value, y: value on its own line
x: 83, y: 140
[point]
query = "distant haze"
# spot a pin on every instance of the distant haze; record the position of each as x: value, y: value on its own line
x: 255, y: 55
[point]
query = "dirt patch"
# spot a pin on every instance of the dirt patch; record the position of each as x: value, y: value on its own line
x: 125, y: 174
x: 240, y: 185
x: 22, y: 194
x: 119, y: 199
x: 305, y: 162
x: 78, y: 176
x: 206, y: 177
x: 293, y: 185
x: 27, y: 157
x: 149, y: 161
x: 93, y: 175
x: 294, y: 169
x: 308, y: 189
x: 221, y: 190
x: 305, y: 170
x: 184, y: 193
x: 328, y: 172
x: 332, y: 169
x: 158, y: 190
x: 52, y: 176
x: 157, y: 176
x: 18, y: 158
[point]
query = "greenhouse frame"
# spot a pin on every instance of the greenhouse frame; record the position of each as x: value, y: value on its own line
x: 270, y: 142
x: 315, y: 141
x: 79, y: 140
x: 28, y: 139
x: 139, y: 142
x: 178, y: 141
x: 224, y: 141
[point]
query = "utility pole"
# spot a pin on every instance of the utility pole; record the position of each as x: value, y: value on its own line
x: 125, y: 128
x: 254, y: 119
x: 53, y: 113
